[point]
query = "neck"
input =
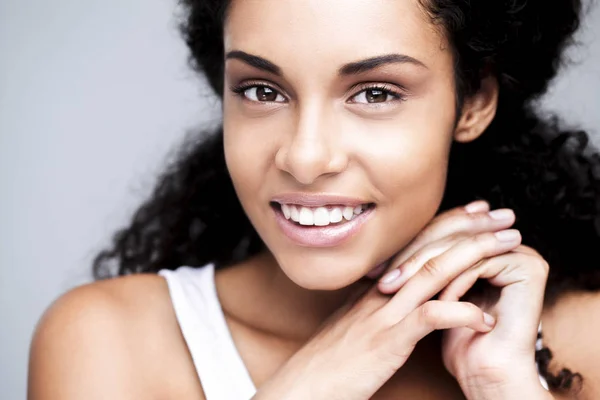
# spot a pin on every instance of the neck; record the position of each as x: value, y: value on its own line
x: 258, y: 294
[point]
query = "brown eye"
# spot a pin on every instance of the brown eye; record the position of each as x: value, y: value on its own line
x: 376, y: 96
x: 263, y: 94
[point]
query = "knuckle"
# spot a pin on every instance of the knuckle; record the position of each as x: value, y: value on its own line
x: 483, y: 239
x: 453, y: 239
x: 460, y: 222
x: 432, y: 267
x: 453, y: 218
x: 476, y: 222
x: 483, y: 242
x: 412, y: 260
x: 429, y: 313
x: 545, y: 267
x: 454, y: 223
x: 476, y: 217
x: 528, y: 250
x: 472, y: 309
x: 465, y: 222
x: 384, y: 319
x: 539, y: 266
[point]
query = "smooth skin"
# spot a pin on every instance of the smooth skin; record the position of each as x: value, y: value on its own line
x: 124, y: 332
x: 322, y: 120
x: 489, y: 359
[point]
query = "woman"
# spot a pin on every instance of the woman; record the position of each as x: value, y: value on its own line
x: 381, y: 187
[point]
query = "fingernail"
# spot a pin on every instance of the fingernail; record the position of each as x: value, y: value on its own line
x: 477, y: 206
x: 509, y: 235
x: 390, y: 276
x: 489, y: 320
x: 502, y: 214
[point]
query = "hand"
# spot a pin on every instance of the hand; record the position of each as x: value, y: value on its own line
x: 370, y: 338
x: 498, y: 364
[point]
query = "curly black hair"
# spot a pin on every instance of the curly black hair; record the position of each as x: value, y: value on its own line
x: 524, y: 161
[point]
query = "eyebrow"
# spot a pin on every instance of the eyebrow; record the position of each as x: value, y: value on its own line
x: 352, y: 68
x: 254, y: 61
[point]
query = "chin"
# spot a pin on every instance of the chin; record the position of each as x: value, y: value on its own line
x: 323, y: 271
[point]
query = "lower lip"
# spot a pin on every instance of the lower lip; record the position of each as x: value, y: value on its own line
x: 322, y: 236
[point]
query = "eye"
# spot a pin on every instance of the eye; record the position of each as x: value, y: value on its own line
x: 259, y: 93
x: 377, y: 94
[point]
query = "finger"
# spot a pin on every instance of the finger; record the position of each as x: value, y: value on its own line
x: 358, y: 294
x: 406, y: 265
x: 527, y: 250
x: 522, y: 278
x: 456, y: 224
x: 502, y: 270
x: 460, y: 285
x: 364, y: 300
x: 439, y: 271
x: 439, y: 227
x: 359, y: 301
x: 477, y: 206
x: 435, y: 315
x: 393, y: 280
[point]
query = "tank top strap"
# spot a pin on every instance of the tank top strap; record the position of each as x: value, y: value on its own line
x: 220, y: 367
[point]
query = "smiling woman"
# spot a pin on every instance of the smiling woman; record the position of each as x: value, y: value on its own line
x: 381, y: 187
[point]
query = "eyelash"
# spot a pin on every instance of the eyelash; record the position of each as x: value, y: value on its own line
x: 387, y: 89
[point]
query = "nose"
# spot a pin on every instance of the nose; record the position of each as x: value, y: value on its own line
x: 313, y: 149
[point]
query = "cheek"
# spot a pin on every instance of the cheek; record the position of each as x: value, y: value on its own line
x: 422, y: 146
x: 408, y: 154
x: 248, y: 152
x: 415, y: 187
x: 416, y: 171
x: 407, y: 161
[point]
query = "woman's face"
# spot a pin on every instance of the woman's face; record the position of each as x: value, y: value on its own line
x: 330, y: 106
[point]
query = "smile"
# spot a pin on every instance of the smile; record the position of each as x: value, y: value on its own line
x: 321, y: 216
x: 322, y: 226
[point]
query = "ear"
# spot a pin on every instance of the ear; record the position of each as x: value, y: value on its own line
x: 478, y: 111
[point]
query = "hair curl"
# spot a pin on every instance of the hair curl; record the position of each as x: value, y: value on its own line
x: 549, y: 176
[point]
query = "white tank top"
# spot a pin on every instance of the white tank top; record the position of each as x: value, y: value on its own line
x: 219, y: 366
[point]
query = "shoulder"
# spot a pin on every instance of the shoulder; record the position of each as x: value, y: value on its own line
x: 570, y: 329
x: 104, y: 339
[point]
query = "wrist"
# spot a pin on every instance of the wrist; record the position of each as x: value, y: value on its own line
x: 529, y: 392
x: 294, y: 380
x: 523, y: 385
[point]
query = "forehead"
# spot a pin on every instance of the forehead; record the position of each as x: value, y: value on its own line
x: 316, y: 34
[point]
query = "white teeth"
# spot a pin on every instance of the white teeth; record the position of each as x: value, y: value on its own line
x: 294, y: 214
x: 306, y: 216
x: 335, y: 215
x: 348, y: 213
x: 287, y: 213
x: 321, y: 216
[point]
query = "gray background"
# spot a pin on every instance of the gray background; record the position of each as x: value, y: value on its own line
x: 92, y: 96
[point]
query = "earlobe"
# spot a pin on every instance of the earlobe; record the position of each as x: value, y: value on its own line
x: 478, y: 111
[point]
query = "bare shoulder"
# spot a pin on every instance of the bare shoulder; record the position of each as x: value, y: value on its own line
x: 571, y: 329
x: 115, y: 339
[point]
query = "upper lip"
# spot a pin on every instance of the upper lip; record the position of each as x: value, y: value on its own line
x: 318, y: 200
